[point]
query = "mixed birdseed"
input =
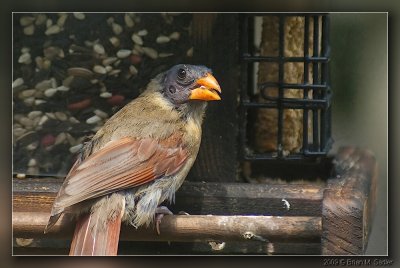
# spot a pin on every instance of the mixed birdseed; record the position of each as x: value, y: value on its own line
x: 72, y: 71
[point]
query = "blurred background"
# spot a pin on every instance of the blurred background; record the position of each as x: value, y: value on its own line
x: 359, y: 63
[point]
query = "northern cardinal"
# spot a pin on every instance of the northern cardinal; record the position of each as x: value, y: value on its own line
x: 137, y: 160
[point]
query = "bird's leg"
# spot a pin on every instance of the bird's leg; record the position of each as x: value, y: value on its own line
x: 160, y: 212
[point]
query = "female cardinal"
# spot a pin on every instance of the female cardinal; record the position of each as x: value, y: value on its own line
x: 137, y: 160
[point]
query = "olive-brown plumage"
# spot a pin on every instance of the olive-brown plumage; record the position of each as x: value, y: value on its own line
x: 137, y: 160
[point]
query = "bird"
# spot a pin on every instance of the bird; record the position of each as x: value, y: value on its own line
x: 137, y: 160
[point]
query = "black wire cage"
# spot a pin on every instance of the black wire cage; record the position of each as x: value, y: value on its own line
x: 311, y: 103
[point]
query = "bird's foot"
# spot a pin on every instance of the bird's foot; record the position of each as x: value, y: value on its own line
x: 160, y: 212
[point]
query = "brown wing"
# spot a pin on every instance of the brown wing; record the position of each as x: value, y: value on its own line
x: 121, y: 164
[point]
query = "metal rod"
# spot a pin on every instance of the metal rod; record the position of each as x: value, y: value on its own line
x: 286, y: 59
x: 291, y: 104
x: 324, y: 77
x: 294, y: 86
x: 281, y: 81
x: 315, y: 80
x: 306, y: 82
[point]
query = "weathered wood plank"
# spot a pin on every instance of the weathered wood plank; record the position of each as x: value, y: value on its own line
x: 37, y: 195
x: 349, y: 203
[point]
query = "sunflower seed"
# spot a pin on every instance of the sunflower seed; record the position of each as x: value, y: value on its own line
x: 32, y: 162
x: 99, y: 69
x: 27, y: 93
x: 189, y: 53
x: 43, y: 120
x: 138, y: 49
x: 18, y: 82
x: 73, y: 120
x: 100, y: 113
x: 93, y: 120
x: 67, y: 81
x: 45, y: 84
x: 109, y: 61
x: 114, y: 72
x: 80, y: 72
x: 75, y: 149
x: 50, y: 92
x: 25, y: 20
x: 61, y: 20
x: 99, y: 49
x: 33, y: 146
x: 19, y: 131
x: 51, y: 115
x: 25, y: 50
x: 49, y: 22
x: 38, y: 102
x: 108, y: 68
x: 34, y: 114
x: 79, y: 15
x: 40, y: 19
x: 54, y: 29
x: 142, y: 32
x: 21, y: 176
x: 60, y: 138
x: 33, y: 171
x: 25, y: 58
x: 137, y: 39
x: 53, y: 82
x: 110, y: 20
x: 129, y: 21
x: 175, y: 36
x: 105, y: 95
x: 114, y: 41
x: 123, y: 53
x: 63, y: 88
x: 29, y: 101
x: 133, y: 70
x: 117, y: 29
x: 61, y: 116
x: 150, y: 52
x: 29, y: 30
x: 52, y: 52
x: 162, y: 39
x: 26, y: 122
x: 165, y: 55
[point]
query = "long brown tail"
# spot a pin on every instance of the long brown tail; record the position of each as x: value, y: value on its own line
x: 93, y: 241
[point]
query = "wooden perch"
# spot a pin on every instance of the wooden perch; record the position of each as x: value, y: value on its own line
x: 189, y: 228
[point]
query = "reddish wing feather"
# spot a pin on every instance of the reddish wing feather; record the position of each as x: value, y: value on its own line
x: 121, y: 164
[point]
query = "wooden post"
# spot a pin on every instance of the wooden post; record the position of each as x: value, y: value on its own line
x: 215, y: 39
x: 349, y: 202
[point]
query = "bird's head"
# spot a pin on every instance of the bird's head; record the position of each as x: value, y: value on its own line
x: 185, y: 83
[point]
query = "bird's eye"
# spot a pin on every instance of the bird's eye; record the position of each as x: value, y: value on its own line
x: 181, y: 74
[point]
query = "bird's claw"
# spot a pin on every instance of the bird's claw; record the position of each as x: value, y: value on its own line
x: 183, y: 213
x: 160, y: 212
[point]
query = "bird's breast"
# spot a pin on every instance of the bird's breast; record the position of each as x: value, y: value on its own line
x: 193, y: 133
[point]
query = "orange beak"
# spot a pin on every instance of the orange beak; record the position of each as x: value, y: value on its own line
x: 208, y: 89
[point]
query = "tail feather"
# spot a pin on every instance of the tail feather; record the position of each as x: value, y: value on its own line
x: 94, y: 241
